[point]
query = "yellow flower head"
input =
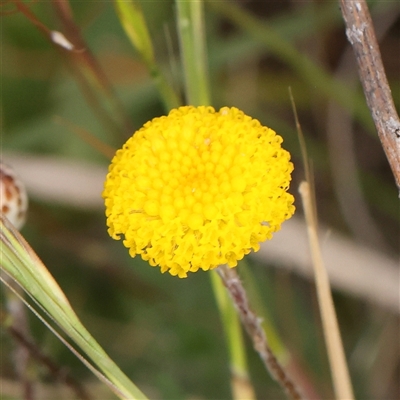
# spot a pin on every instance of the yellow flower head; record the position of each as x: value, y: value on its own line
x: 198, y: 188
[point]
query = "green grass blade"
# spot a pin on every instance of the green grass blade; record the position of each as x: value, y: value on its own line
x: 23, y: 265
x: 132, y: 20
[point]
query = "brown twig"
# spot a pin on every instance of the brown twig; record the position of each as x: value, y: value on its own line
x: 361, y: 35
x: 256, y: 332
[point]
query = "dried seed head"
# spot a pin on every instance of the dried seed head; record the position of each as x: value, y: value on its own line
x: 13, y: 197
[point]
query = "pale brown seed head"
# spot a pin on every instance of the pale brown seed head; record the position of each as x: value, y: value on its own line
x: 13, y: 197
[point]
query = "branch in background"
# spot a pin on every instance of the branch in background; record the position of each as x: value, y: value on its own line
x: 361, y: 35
x: 342, y: 145
x: 307, y: 70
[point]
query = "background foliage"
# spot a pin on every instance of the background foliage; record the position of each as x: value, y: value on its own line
x: 165, y: 332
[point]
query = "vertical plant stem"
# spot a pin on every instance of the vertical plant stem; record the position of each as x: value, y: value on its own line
x: 256, y: 332
x: 336, y: 355
x: 193, y: 51
x: 190, y: 21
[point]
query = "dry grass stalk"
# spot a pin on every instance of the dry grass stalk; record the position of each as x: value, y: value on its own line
x: 337, y: 359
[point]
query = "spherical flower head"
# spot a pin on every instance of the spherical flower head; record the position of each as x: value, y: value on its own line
x: 198, y: 188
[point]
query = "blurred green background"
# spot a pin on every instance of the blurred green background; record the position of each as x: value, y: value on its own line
x: 165, y: 333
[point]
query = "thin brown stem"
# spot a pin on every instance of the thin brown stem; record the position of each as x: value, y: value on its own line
x: 60, y: 373
x: 252, y: 324
x: 361, y: 35
x: 84, y: 67
x: 22, y: 8
x: 18, y: 321
x: 87, y: 62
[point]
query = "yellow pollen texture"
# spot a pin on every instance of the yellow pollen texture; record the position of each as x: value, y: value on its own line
x: 198, y: 188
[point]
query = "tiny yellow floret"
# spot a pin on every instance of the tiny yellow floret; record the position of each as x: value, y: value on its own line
x: 198, y: 188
